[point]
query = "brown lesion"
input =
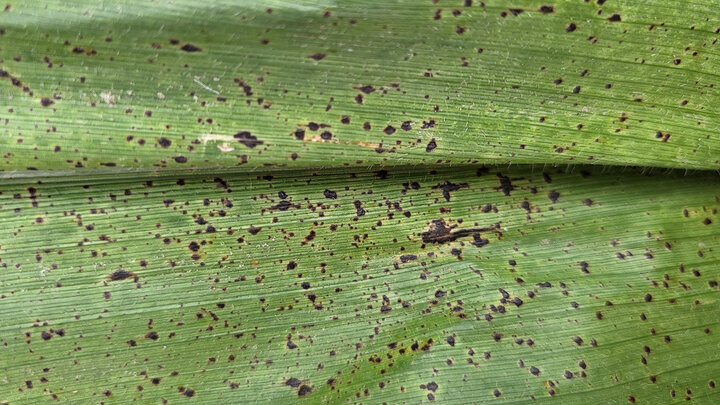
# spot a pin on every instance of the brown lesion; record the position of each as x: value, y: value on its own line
x: 122, y: 274
x: 440, y: 232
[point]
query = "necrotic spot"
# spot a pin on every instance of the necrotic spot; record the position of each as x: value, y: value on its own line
x: 247, y: 139
x: 304, y: 390
x: 546, y: 9
x: 190, y: 48
x: 121, y: 274
x: 358, y: 208
x: 431, y: 145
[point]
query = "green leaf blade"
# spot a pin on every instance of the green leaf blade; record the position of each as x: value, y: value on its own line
x: 380, y: 305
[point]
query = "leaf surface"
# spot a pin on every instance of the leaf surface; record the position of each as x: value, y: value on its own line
x: 328, y: 286
x: 367, y: 202
x: 149, y: 85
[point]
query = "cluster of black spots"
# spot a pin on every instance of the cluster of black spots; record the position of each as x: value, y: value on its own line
x: 79, y: 50
x: 247, y: 139
x: 284, y: 206
x: 584, y: 266
x: 360, y: 211
x: 663, y: 136
x: 448, y: 187
x: 247, y: 89
x: 367, y: 89
x: 506, y: 185
x: 48, y: 334
x: 440, y: 232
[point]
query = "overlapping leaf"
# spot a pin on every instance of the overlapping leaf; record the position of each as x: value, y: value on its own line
x: 317, y: 83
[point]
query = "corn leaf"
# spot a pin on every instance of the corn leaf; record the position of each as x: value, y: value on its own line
x: 367, y: 202
x: 310, y: 83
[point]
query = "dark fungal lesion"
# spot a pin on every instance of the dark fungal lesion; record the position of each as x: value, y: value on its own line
x: 189, y: 47
x: 284, y: 206
x: 439, y: 232
x: 122, y: 274
x: 449, y: 187
x: 506, y: 185
x: 432, y: 145
x: 247, y: 139
x: 547, y: 9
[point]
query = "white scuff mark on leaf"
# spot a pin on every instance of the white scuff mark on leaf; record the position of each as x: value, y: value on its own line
x: 213, y: 137
x: 205, y: 86
x: 224, y: 147
x: 108, y: 97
